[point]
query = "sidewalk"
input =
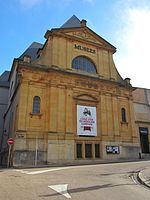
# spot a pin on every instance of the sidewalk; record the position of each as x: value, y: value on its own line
x: 144, y: 177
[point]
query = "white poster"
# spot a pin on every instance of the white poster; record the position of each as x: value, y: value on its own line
x: 86, y: 120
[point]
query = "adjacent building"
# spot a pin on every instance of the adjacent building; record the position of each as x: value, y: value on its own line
x: 68, y: 103
x: 4, y: 95
x: 141, y: 98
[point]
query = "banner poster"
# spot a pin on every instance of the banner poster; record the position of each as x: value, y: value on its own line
x: 86, y: 121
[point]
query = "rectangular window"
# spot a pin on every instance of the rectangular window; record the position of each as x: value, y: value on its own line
x: 88, y: 150
x: 79, y: 150
x: 97, y: 151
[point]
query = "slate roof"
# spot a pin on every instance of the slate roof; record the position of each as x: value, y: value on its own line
x: 4, y: 79
x: 73, y: 22
x: 35, y: 46
x: 32, y: 50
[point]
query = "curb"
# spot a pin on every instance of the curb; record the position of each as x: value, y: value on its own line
x: 78, y: 163
x: 142, y: 180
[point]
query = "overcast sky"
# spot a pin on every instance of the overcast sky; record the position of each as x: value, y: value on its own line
x: 123, y: 23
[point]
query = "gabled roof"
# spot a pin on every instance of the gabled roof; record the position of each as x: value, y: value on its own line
x: 72, y: 22
x: 4, y: 79
x: 32, y: 51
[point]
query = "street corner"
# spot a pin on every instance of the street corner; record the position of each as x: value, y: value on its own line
x: 144, y: 177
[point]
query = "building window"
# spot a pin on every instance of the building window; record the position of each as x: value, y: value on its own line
x: 123, y: 114
x: 86, y: 150
x: 36, y: 105
x: 79, y: 150
x: 84, y: 64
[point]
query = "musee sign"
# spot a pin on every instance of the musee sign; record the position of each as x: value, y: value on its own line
x: 79, y: 47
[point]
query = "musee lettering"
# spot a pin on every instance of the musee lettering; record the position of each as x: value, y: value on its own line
x: 84, y: 48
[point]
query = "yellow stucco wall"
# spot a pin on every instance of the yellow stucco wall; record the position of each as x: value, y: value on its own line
x: 60, y: 93
x: 62, y: 88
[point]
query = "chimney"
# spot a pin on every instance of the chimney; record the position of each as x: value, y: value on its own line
x: 83, y: 22
x: 127, y: 80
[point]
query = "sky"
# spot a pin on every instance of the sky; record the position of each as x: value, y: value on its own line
x: 123, y: 23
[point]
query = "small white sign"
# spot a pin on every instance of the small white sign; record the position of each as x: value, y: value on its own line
x: 86, y: 121
x: 112, y: 149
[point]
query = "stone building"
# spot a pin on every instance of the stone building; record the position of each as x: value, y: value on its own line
x: 141, y: 98
x: 68, y: 103
x: 4, y: 89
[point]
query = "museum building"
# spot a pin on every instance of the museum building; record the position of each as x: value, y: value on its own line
x: 67, y: 101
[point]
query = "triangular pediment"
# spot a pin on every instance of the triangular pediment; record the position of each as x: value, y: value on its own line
x: 86, y: 35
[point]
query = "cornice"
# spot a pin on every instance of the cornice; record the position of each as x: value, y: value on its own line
x: 143, y: 122
x: 85, y: 76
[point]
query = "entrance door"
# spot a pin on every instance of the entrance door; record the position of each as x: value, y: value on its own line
x: 144, y: 139
x: 88, y: 150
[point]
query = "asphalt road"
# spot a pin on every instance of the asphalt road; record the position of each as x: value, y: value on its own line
x: 89, y: 182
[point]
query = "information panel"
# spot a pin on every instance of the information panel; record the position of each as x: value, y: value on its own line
x: 112, y: 149
x: 86, y: 121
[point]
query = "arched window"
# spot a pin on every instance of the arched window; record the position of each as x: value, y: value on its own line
x: 123, y: 114
x: 36, y: 105
x: 84, y: 64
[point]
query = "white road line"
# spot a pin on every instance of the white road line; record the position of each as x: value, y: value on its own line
x: 72, y: 167
x: 62, y: 189
x: 21, y: 171
x: 44, y: 171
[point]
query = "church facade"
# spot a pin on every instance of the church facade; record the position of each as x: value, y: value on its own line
x: 68, y: 103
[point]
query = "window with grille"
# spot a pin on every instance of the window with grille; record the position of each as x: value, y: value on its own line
x: 84, y: 64
x: 36, y: 105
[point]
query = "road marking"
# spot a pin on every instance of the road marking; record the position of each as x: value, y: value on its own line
x: 73, y: 167
x: 42, y: 171
x: 21, y: 171
x: 62, y: 189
